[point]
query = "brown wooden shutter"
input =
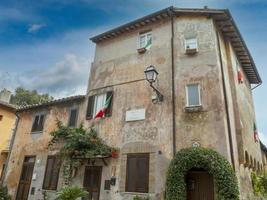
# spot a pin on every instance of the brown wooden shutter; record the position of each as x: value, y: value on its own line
x: 90, y: 107
x: 48, y: 171
x: 143, y: 174
x: 109, y: 109
x: 51, y: 173
x: 73, y: 117
x: 55, y: 173
x: 137, y: 176
x: 41, y: 123
x: 35, y: 123
x: 131, y: 174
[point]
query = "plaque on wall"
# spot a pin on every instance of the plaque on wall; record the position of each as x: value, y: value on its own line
x: 135, y: 115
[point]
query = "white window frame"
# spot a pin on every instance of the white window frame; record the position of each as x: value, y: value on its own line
x: 95, y: 102
x: 199, y: 95
x: 146, y: 34
x: 186, y: 40
x: 33, y: 120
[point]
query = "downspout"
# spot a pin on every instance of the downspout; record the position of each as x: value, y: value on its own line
x: 173, y: 84
x: 226, y: 103
x: 10, y: 149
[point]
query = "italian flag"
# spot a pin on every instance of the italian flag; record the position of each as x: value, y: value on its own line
x: 256, y: 138
x: 239, y: 76
x: 101, y: 113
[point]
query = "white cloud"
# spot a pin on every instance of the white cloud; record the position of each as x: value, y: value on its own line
x: 9, y: 14
x: 33, y: 28
x: 67, y: 77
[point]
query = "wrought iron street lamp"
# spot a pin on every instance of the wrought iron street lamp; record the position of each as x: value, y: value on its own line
x: 151, y: 76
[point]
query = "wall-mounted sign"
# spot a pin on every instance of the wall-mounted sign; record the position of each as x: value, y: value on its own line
x: 135, y: 115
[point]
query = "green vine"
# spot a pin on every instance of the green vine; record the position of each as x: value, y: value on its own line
x: 80, y: 144
x: 208, y: 160
x: 259, y: 183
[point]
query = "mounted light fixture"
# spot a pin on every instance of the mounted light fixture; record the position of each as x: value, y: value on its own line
x: 151, y: 76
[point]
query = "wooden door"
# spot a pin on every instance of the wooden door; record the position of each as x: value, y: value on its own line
x: 25, y: 178
x: 92, y: 181
x: 199, y: 186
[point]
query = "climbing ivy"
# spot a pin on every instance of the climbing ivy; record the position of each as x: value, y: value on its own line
x: 208, y: 160
x: 259, y: 183
x: 79, y: 144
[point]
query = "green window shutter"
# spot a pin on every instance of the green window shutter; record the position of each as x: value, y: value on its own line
x: 109, y: 109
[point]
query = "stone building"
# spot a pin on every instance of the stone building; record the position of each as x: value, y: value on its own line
x: 7, y: 124
x: 206, y: 76
x: 30, y: 153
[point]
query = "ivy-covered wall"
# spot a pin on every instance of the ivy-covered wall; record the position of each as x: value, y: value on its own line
x: 206, y: 159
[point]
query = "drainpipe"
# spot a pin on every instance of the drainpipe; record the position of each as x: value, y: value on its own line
x: 226, y: 104
x: 10, y: 149
x: 173, y: 83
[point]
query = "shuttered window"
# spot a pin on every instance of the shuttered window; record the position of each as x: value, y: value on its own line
x: 38, y: 123
x: 193, y: 95
x: 137, y: 173
x: 73, y: 117
x: 51, y: 173
x: 97, y: 102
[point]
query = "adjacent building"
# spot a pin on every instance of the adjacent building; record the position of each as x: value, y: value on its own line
x: 7, y: 125
x: 206, y: 75
x: 30, y: 161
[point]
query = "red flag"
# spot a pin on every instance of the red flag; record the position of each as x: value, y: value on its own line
x: 101, y: 113
x: 239, y: 76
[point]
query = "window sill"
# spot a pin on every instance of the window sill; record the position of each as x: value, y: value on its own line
x: 36, y: 132
x: 141, y: 50
x: 136, y: 193
x: 49, y: 190
x: 191, y: 51
x: 191, y: 109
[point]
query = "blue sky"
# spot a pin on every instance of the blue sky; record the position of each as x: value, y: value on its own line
x: 45, y: 45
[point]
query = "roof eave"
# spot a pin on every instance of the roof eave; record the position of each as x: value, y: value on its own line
x: 132, y: 23
x: 52, y: 103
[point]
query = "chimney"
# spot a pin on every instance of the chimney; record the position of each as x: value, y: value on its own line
x: 5, y: 95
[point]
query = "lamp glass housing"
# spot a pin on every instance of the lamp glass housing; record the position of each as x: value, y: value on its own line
x: 151, y: 74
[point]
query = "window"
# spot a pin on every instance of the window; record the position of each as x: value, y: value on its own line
x: 145, y: 40
x: 2, y: 171
x: 73, y: 117
x: 99, y: 102
x: 193, y: 95
x: 38, y: 123
x: 137, y: 174
x: 191, y: 45
x: 51, y: 173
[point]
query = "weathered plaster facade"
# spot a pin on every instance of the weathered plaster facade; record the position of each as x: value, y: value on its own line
x: 7, y: 123
x: 27, y: 143
x: 224, y: 123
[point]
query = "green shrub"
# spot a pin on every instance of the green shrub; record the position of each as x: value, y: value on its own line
x: 4, y: 194
x: 71, y: 193
x: 259, y: 183
x: 140, y: 198
x: 206, y: 159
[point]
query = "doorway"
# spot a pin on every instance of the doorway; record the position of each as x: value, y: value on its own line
x: 92, y: 181
x: 199, y: 185
x: 25, y: 178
